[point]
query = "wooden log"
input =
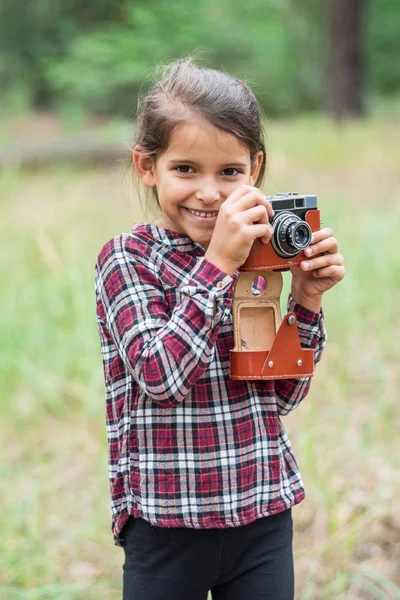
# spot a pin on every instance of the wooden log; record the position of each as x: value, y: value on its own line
x: 84, y: 148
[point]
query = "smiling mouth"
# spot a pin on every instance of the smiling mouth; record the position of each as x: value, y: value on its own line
x: 200, y: 213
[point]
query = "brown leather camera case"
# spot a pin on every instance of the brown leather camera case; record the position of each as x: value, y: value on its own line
x: 267, y: 346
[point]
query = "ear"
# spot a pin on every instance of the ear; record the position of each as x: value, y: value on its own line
x: 144, y: 166
x: 256, y: 166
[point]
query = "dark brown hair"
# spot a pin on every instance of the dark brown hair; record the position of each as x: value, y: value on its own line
x: 185, y: 89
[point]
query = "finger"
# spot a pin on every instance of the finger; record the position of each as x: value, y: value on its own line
x: 322, y: 261
x: 335, y: 272
x: 329, y: 244
x: 321, y: 234
x: 254, y: 214
x: 253, y: 198
x: 258, y: 214
x: 259, y: 230
x: 242, y: 190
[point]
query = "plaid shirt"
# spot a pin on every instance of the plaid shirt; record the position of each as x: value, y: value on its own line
x: 188, y: 446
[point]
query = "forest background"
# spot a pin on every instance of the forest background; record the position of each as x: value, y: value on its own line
x: 94, y: 56
x: 71, y: 71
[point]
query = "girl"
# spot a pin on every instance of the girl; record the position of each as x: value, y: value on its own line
x: 201, y: 470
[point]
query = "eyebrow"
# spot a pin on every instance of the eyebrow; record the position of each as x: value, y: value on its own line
x: 185, y: 160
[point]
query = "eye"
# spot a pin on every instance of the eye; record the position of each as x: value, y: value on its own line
x: 231, y: 172
x: 184, y: 169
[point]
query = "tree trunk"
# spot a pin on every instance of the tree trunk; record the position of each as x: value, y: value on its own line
x: 345, y: 58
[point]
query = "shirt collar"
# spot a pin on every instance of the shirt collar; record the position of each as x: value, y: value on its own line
x: 167, y: 237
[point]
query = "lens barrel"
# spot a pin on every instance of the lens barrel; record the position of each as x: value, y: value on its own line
x: 291, y: 234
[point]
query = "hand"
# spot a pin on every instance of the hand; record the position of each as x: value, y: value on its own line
x: 243, y: 217
x: 315, y: 276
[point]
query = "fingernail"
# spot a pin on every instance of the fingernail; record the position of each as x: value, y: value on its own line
x: 305, y: 265
x: 307, y: 251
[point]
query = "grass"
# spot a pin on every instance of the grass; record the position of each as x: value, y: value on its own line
x: 56, y: 539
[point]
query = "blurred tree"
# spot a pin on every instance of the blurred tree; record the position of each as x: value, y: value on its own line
x: 40, y: 31
x: 345, y: 94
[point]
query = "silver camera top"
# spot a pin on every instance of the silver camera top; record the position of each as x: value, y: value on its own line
x: 292, y: 201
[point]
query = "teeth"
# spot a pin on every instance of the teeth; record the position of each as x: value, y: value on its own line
x: 197, y: 213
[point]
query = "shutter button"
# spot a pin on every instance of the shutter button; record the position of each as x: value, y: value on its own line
x: 220, y: 284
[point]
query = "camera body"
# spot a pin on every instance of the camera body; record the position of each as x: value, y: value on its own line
x: 296, y: 218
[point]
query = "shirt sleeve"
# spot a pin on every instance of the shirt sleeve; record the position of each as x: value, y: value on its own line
x: 312, y: 334
x: 165, y: 351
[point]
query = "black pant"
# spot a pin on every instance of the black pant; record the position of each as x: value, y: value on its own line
x: 251, y: 562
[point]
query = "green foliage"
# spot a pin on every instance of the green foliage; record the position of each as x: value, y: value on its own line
x: 106, y: 69
x: 42, y: 30
x: 96, y: 54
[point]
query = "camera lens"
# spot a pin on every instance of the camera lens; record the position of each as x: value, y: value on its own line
x: 291, y: 234
x: 299, y: 235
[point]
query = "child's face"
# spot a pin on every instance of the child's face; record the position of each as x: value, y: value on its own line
x: 201, y: 167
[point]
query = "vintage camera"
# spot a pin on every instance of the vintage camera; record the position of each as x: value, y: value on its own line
x: 292, y: 233
x: 296, y: 217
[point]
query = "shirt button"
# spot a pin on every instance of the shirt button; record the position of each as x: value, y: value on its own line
x: 220, y: 284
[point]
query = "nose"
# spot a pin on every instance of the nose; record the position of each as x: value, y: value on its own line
x: 208, y: 195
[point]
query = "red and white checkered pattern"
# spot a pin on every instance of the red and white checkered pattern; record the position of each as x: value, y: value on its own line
x: 188, y: 446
